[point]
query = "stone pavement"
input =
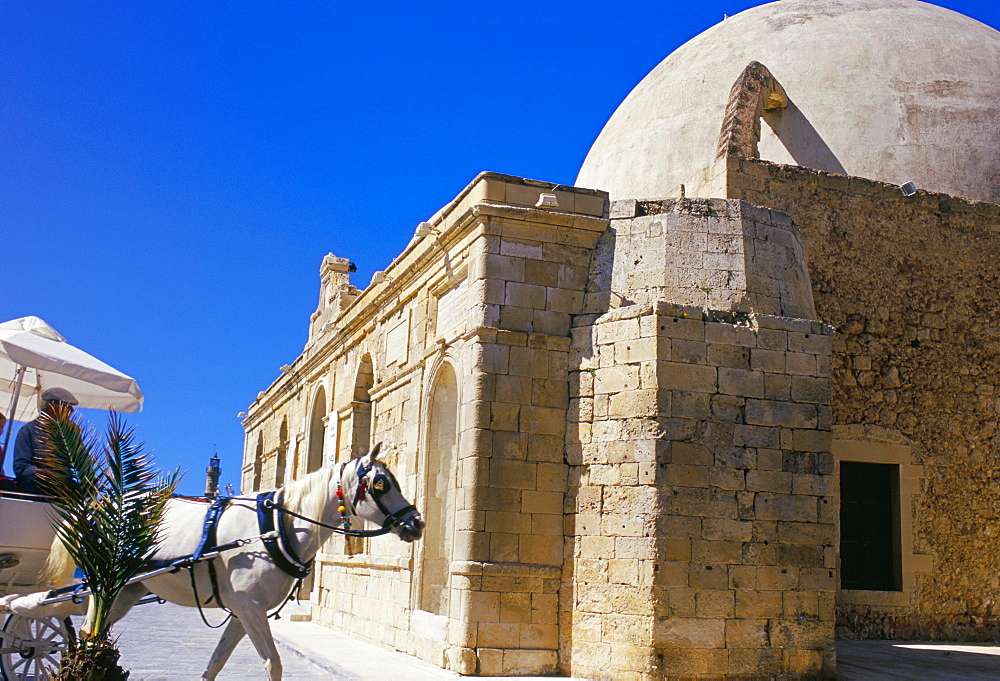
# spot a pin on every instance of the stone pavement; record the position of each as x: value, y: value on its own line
x: 857, y: 660
x: 168, y: 642
x: 161, y: 642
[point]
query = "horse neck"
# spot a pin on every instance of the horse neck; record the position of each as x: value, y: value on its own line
x: 311, y: 497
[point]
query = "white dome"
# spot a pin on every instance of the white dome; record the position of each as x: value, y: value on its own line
x: 892, y: 90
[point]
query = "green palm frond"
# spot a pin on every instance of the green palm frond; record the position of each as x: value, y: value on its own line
x: 108, y: 502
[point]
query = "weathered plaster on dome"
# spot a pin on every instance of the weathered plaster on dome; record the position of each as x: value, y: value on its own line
x: 893, y: 90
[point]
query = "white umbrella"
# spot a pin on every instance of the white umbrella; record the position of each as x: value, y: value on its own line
x: 34, y: 354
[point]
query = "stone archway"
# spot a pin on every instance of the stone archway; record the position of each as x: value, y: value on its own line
x: 258, y: 463
x: 439, y: 500
x: 317, y: 432
x: 361, y: 408
x: 282, y: 454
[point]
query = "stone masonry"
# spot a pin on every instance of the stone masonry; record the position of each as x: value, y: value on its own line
x: 624, y: 424
x: 630, y: 426
x: 456, y: 358
x: 910, y: 284
x: 701, y: 474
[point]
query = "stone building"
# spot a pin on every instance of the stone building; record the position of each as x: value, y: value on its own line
x: 736, y: 402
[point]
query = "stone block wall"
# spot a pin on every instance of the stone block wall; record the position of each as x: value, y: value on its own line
x: 484, y: 300
x: 509, y: 542
x: 910, y: 284
x: 701, y: 499
x: 533, y: 276
x: 607, y: 605
x: 748, y: 581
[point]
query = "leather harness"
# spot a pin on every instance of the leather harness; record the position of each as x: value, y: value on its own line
x: 209, y: 542
x: 274, y: 537
x: 277, y: 544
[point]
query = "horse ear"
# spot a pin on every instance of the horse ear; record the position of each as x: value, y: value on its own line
x: 373, y: 454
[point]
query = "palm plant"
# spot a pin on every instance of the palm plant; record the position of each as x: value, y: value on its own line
x: 109, y: 502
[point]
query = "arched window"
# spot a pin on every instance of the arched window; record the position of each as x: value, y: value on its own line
x: 317, y: 432
x: 442, y: 455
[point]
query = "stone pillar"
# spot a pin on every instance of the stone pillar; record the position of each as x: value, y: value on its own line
x: 701, y: 478
x: 607, y: 603
x: 702, y: 496
x: 531, y: 271
x: 746, y: 583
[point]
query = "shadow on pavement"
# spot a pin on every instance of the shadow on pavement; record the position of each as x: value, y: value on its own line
x: 917, y: 660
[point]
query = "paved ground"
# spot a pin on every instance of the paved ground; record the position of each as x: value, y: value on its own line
x: 914, y: 660
x: 160, y: 642
x: 167, y: 642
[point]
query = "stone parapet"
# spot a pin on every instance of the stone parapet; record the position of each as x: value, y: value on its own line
x: 711, y: 253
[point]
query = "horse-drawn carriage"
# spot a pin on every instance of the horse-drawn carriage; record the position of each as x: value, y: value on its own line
x: 243, y: 555
x: 209, y: 556
x: 28, y: 644
x: 33, y: 357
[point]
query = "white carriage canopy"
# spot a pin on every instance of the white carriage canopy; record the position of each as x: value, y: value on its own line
x: 50, y: 362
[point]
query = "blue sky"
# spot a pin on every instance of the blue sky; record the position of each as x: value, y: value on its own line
x: 171, y: 174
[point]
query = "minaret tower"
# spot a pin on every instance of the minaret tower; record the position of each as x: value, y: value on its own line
x: 212, y: 477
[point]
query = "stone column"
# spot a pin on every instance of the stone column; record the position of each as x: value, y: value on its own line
x: 531, y: 271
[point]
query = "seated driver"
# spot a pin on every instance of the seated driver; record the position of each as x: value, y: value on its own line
x: 28, y: 449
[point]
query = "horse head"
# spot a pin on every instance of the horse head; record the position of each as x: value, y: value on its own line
x: 373, y: 493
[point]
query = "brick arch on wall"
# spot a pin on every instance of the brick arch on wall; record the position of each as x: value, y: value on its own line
x: 258, y: 463
x: 361, y: 406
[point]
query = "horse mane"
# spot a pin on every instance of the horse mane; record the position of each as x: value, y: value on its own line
x: 310, y: 494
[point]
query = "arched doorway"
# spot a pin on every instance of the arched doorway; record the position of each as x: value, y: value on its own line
x: 258, y: 463
x: 442, y: 454
x: 317, y: 432
x: 361, y: 432
x: 361, y: 427
x: 282, y: 457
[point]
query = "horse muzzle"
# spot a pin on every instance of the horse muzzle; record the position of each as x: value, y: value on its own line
x: 410, y: 529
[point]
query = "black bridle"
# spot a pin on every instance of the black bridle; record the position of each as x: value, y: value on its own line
x: 384, y: 481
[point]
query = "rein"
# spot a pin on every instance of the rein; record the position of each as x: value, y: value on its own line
x: 392, y: 519
x: 385, y: 529
x: 269, y: 504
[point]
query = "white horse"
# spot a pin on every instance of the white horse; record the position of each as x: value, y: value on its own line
x: 249, y: 580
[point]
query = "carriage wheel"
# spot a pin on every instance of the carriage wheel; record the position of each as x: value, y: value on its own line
x: 31, y: 647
